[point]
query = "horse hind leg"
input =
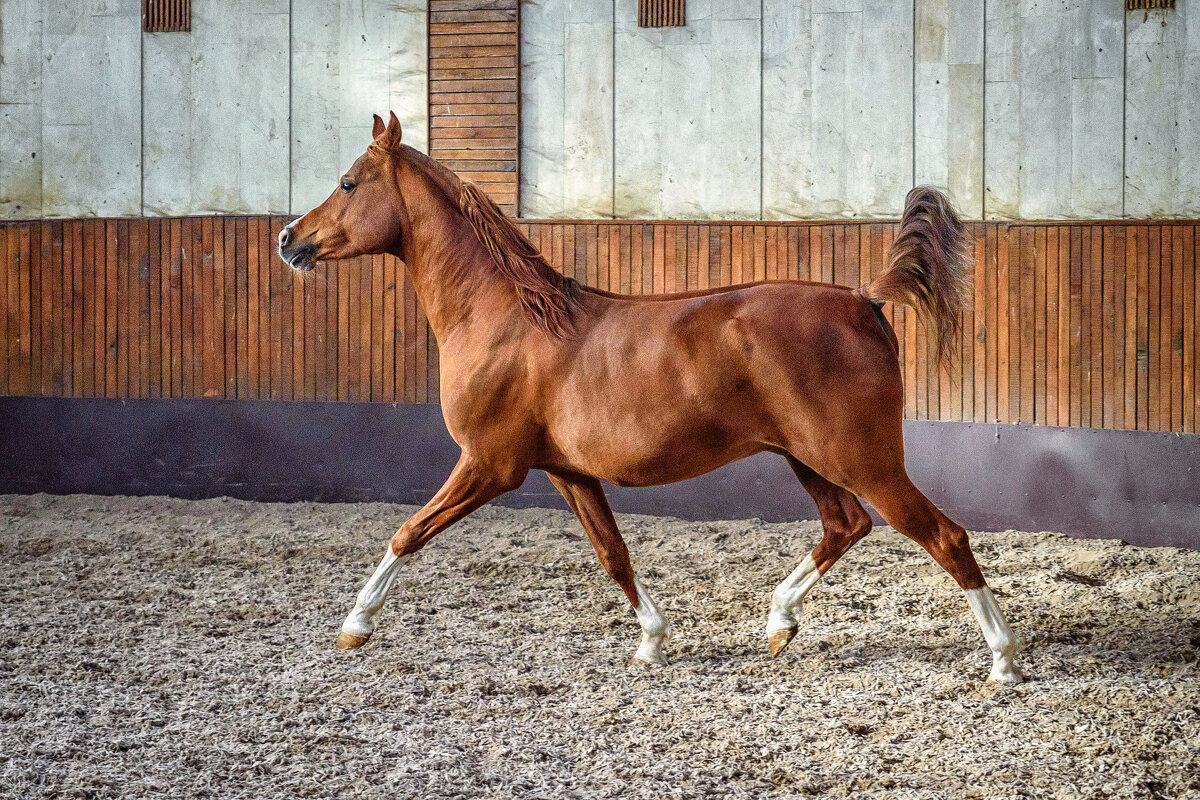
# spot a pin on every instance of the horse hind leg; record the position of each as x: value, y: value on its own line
x: 907, y: 510
x: 845, y: 522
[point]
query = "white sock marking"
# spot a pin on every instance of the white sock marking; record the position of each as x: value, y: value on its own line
x: 999, y: 636
x: 370, y: 599
x: 655, y: 628
x: 788, y: 597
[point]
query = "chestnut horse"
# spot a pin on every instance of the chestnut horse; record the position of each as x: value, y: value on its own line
x: 540, y: 372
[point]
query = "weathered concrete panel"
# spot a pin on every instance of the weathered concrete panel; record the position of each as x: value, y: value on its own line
x: 21, y: 47
x: 688, y: 111
x: 350, y: 60
x: 20, y: 109
x: 638, y: 73
x: 567, y: 108
x: 1162, y: 111
x: 854, y: 157
x: 91, y: 109
x: 948, y: 135
x: 787, y: 135
x: 1052, y: 123
x: 224, y: 146
x: 20, y: 161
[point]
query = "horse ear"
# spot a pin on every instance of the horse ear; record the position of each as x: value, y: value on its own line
x: 377, y: 128
x: 393, y: 129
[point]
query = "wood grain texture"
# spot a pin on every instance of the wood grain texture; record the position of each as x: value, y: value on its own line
x: 474, y: 86
x: 1069, y: 324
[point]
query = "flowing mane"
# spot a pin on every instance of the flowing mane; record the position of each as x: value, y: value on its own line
x: 548, y: 299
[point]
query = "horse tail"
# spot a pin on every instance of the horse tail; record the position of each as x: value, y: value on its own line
x: 927, y: 266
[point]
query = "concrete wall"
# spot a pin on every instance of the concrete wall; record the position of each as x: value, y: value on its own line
x: 834, y: 108
x: 258, y: 109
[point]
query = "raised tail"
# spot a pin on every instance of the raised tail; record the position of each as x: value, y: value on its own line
x: 927, y: 266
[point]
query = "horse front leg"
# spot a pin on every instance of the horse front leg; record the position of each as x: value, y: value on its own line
x: 469, y: 486
x: 586, y: 498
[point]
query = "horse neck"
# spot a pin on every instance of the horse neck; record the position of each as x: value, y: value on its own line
x: 452, y: 273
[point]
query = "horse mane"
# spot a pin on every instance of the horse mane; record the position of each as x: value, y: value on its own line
x: 547, y: 298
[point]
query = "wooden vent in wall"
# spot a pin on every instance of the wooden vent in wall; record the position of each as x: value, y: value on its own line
x: 165, y: 16
x: 660, y: 13
x: 1138, y: 5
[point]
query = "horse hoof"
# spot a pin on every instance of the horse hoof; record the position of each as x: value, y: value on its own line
x: 638, y: 661
x: 351, y: 641
x: 779, y: 640
x: 1010, y: 678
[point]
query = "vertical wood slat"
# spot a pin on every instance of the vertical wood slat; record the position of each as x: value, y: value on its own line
x: 1079, y: 324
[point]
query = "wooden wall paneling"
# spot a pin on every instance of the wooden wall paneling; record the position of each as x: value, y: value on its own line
x: 52, y: 269
x: 1037, y: 309
x: 404, y: 343
x: 94, y: 318
x: 1095, y: 307
x: 226, y: 257
x: 9, y: 325
x: 1192, y: 259
x: 1108, y: 321
x: 246, y: 374
x: 1153, y: 324
x: 1069, y: 324
x: 111, y: 257
x: 1051, y: 324
x: 410, y: 340
x: 6, y: 265
x: 1116, y: 376
x: 1187, y: 263
x: 250, y: 232
x: 140, y: 308
x: 1140, y: 303
x: 192, y: 326
x: 78, y: 299
x: 295, y: 382
x: 422, y: 354
x: 388, y: 321
x: 1166, y: 327
x: 35, y: 309
x: 208, y: 384
x: 377, y: 327
x: 219, y: 384
x: 1175, y: 340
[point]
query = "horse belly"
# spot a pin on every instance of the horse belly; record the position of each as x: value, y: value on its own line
x: 650, y: 455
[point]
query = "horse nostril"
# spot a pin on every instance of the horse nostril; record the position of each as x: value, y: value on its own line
x: 285, y: 236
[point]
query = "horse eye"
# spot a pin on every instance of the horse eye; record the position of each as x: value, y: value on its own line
x: 347, y: 186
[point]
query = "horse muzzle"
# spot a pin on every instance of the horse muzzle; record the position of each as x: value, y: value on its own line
x: 300, y: 256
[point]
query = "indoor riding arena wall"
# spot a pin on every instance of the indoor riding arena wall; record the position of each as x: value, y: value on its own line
x: 1072, y: 326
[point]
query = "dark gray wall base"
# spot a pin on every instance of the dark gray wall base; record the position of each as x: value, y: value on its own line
x: 1140, y: 487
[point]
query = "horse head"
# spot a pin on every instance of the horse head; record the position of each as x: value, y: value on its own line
x: 365, y: 214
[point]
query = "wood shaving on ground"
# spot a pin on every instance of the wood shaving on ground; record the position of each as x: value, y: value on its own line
x: 155, y: 647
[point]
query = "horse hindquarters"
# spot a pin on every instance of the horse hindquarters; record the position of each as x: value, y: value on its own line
x: 856, y: 441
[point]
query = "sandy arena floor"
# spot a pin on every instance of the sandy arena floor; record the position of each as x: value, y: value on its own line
x: 155, y: 647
